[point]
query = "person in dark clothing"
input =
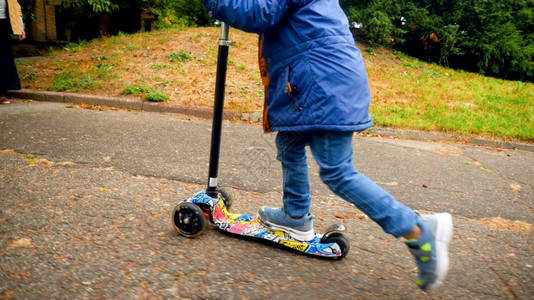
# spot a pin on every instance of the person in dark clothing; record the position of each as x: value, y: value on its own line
x: 10, y: 23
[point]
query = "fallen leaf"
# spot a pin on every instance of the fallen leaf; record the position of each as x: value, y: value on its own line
x: 504, y: 224
x: 23, y: 242
x: 340, y: 217
x: 393, y: 183
x: 512, y: 283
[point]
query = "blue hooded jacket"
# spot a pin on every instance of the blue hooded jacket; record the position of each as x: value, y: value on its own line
x: 317, y: 79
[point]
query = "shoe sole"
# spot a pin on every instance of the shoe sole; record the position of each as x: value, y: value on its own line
x: 443, y: 239
x: 304, y: 236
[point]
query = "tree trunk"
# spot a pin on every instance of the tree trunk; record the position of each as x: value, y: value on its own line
x: 104, y: 24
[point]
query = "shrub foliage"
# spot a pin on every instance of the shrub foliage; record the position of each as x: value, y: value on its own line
x: 490, y: 37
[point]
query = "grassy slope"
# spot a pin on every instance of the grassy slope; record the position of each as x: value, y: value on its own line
x: 407, y: 93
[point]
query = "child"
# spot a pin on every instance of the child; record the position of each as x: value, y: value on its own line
x: 317, y: 95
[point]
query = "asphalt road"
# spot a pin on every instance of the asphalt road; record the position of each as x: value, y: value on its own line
x: 86, y: 198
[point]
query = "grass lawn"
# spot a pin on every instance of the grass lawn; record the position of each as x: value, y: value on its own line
x: 178, y: 66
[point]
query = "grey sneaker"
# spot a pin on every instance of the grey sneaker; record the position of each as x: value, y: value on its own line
x: 276, y: 218
x: 431, y: 249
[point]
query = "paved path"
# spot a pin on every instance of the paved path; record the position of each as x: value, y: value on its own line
x: 86, y: 197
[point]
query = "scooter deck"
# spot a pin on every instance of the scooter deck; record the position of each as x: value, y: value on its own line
x: 250, y: 226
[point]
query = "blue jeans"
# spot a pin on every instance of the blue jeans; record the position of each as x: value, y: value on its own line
x: 333, y: 153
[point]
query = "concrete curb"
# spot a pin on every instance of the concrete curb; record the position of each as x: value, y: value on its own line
x: 435, y: 136
x: 118, y: 102
x: 136, y: 104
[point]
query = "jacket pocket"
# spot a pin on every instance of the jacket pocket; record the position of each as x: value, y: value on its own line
x: 291, y: 89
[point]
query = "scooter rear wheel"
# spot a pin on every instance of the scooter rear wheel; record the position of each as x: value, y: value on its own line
x: 227, y: 199
x: 188, y: 219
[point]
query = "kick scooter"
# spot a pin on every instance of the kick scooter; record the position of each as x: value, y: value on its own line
x: 189, y: 216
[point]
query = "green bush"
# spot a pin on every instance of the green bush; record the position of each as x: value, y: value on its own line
x: 158, y: 66
x: 74, y: 47
x: 69, y: 80
x: 178, y: 13
x: 181, y: 56
x: 137, y: 90
x: 157, y: 97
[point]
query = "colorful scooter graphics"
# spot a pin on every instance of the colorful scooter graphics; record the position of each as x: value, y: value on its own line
x: 189, y: 216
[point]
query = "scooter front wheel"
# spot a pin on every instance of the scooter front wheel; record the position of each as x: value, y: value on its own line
x: 188, y: 219
x: 341, y: 240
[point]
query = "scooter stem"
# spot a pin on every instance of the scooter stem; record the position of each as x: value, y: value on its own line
x: 218, y: 108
